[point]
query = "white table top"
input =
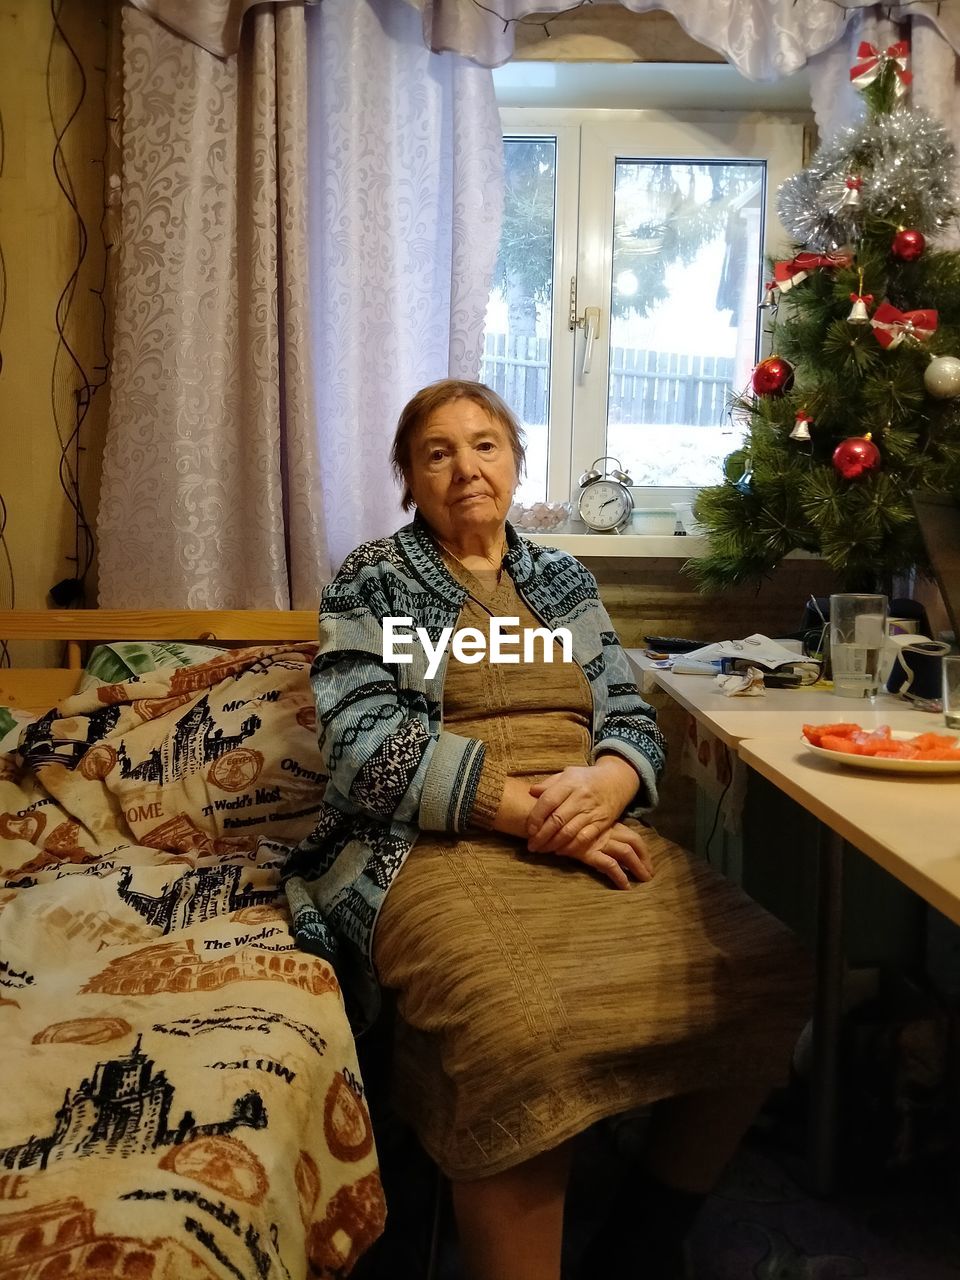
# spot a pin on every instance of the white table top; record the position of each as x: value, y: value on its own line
x: 781, y: 711
x: 909, y: 824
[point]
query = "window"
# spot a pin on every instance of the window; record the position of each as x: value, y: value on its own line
x: 517, y: 339
x: 646, y: 232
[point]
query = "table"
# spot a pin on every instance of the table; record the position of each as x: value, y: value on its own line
x: 907, y: 824
x: 780, y: 712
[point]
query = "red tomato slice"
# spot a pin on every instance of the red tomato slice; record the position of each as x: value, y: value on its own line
x: 832, y: 742
x: 815, y: 732
x: 933, y: 742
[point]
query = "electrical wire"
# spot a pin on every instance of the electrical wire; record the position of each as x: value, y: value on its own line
x: 892, y: 10
x: 529, y: 21
x: 716, y: 816
x: 4, y: 546
x: 70, y: 433
x: 3, y: 267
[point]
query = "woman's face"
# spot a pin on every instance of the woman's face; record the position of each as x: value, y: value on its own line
x: 462, y: 471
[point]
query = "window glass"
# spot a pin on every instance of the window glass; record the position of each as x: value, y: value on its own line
x: 517, y: 338
x: 624, y: 308
x: 686, y: 257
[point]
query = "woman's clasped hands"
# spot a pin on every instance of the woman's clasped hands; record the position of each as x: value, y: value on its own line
x: 576, y: 815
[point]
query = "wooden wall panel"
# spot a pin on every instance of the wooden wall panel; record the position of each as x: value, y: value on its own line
x: 653, y: 597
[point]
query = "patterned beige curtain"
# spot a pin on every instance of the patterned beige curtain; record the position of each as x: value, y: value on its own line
x: 210, y: 480
x: 214, y: 24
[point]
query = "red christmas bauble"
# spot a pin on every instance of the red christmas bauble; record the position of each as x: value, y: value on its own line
x: 908, y: 244
x: 773, y: 376
x: 856, y: 455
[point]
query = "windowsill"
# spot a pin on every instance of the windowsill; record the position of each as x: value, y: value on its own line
x: 635, y: 546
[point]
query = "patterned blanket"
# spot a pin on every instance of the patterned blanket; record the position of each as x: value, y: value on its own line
x: 180, y: 1092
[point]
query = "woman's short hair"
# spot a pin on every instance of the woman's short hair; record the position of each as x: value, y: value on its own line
x: 434, y: 397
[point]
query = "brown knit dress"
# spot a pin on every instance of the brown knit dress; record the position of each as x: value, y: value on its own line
x: 535, y: 998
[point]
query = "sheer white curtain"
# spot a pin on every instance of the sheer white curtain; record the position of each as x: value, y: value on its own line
x: 405, y: 210
x: 936, y: 86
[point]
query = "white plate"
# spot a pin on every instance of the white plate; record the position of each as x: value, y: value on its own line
x: 891, y: 766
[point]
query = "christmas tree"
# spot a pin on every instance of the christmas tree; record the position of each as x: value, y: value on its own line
x: 860, y: 403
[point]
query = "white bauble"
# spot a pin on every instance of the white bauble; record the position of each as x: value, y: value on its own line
x: 942, y: 377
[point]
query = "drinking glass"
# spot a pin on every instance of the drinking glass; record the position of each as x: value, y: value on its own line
x: 951, y: 691
x: 857, y: 630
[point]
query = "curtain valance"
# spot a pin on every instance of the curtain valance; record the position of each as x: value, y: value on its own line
x: 763, y: 39
x: 212, y: 24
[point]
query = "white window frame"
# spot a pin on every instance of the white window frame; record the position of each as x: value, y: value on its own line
x: 566, y: 196
x: 589, y: 140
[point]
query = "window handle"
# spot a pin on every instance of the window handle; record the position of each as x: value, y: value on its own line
x: 591, y: 329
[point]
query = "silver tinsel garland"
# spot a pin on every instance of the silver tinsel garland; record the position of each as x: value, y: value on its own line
x: 907, y: 167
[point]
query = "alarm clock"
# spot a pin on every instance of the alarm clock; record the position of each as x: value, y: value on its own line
x: 606, y: 503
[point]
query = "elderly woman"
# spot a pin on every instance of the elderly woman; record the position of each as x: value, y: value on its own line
x: 481, y: 851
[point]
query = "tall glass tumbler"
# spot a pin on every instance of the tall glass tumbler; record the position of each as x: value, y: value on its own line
x: 857, y: 630
x: 951, y: 691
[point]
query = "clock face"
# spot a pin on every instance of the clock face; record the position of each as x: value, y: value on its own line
x: 605, y: 505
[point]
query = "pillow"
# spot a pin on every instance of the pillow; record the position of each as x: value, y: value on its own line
x: 113, y: 663
x: 11, y: 722
x: 202, y: 759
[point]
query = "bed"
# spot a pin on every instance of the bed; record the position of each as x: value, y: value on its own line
x: 181, y: 1094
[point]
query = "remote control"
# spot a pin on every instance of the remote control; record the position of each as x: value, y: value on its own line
x: 673, y: 644
x: 782, y: 679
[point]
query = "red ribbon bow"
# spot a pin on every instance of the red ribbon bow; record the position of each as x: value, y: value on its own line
x: 854, y: 184
x: 787, y: 274
x: 872, y: 62
x: 891, y: 327
x: 866, y: 298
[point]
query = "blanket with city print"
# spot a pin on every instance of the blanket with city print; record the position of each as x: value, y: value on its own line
x: 181, y: 1096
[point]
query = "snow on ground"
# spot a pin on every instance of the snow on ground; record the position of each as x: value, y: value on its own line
x: 652, y: 454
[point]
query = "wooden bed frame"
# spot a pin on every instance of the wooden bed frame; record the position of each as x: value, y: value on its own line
x: 38, y: 688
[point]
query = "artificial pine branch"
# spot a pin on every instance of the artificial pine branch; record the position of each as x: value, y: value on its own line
x: 895, y: 395
x: 900, y: 446
x: 847, y: 380
x: 854, y: 352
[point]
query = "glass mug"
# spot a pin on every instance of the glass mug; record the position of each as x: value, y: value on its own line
x: 857, y: 632
x: 916, y: 669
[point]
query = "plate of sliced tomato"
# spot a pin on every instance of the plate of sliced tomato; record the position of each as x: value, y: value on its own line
x: 891, y: 750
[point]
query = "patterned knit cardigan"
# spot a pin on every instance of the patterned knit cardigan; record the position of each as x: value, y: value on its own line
x: 392, y: 769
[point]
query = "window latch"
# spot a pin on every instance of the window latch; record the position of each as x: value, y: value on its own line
x: 589, y: 322
x: 591, y: 328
